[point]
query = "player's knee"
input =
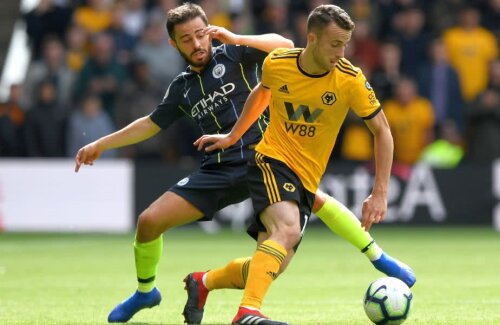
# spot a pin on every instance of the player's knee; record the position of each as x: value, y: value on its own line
x: 290, y: 237
x: 147, y: 222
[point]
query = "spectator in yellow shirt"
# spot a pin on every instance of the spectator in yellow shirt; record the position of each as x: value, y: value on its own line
x: 94, y: 17
x: 411, y: 119
x: 471, y: 49
x: 77, y: 47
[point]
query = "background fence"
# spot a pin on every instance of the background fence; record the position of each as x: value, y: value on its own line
x: 46, y: 195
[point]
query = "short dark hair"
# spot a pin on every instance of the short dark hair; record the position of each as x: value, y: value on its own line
x: 323, y: 15
x: 183, y: 13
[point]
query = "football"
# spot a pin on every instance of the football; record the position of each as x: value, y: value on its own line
x: 388, y: 301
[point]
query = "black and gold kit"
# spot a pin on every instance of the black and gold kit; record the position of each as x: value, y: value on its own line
x: 307, y: 111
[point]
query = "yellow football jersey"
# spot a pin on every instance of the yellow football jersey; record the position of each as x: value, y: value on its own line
x: 307, y: 111
x: 410, y: 125
x: 470, y: 54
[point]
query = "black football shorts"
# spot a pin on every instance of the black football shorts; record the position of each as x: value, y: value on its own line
x: 271, y: 181
x: 214, y: 187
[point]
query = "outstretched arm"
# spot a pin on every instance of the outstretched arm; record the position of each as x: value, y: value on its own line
x: 255, y: 105
x: 375, y: 206
x: 137, y: 131
x: 264, y: 42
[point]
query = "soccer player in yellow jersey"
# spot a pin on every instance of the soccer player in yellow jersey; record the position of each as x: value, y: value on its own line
x: 309, y: 92
x: 224, y: 74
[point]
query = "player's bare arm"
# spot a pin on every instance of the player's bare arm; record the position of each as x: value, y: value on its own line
x: 255, y: 105
x: 375, y: 206
x: 137, y: 131
x: 264, y: 42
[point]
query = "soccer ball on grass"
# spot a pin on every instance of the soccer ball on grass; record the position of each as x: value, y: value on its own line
x: 387, y: 301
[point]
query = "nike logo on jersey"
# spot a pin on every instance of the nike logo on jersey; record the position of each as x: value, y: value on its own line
x: 186, y: 92
x: 284, y: 89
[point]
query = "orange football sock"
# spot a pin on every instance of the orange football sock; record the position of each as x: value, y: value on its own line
x: 264, y: 268
x: 231, y: 276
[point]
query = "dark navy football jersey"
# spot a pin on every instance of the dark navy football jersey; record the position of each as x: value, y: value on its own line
x: 214, y: 99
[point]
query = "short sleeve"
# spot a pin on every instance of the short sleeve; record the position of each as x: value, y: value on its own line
x: 363, y: 100
x: 245, y: 54
x: 169, y: 110
x: 266, y: 75
x: 254, y: 55
x: 491, y: 47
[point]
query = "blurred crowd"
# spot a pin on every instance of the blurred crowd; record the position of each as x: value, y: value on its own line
x: 97, y: 65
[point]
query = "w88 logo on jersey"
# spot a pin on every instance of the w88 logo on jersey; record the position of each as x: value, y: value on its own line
x: 294, y: 114
x: 303, y: 130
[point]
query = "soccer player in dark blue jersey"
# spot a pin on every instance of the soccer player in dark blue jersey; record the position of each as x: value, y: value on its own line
x: 212, y: 92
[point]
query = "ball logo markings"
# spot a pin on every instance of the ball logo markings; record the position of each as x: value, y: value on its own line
x: 387, y: 301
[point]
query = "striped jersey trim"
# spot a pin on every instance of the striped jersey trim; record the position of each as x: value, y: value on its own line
x: 349, y: 72
x: 287, y: 55
x: 345, y: 64
x: 346, y: 67
x: 291, y: 51
x: 284, y: 57
x: 273, y: 193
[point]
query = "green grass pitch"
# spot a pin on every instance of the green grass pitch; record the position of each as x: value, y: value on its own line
x: 78, y: 279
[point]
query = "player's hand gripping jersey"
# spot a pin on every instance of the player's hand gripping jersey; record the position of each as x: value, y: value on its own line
x: 306, y: 111
x: 214, y: 99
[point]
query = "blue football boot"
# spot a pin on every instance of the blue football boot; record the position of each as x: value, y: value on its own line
x: 129, y: 307
x: 392, y: 267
